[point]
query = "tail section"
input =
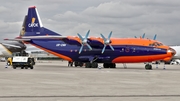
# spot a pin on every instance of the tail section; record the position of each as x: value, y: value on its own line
x: 33, y: 26
x: 33, y: 22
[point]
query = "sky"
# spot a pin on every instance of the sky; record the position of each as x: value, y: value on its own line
x: 125, y: 18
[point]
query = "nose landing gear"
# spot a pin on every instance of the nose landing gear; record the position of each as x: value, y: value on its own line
x: 148, y: 66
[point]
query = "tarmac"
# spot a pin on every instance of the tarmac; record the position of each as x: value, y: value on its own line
x: 55, y: 81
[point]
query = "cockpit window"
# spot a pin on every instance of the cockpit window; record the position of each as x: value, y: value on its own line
x: 155, y: 44
x: 161, y: 44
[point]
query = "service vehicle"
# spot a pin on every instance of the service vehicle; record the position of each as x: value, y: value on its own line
x: 21, y: 60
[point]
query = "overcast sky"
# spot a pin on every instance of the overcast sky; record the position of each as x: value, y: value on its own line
x: 126, y: 18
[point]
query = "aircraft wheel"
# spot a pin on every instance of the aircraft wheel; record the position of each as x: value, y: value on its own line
x: 113, y: 65
x: 81, y: 64
x: 148, y: 67
x: 88, y: 65
x: 22, y: 67
x: 75, y: 63
x: 94, y: 65
x: 106, y: 65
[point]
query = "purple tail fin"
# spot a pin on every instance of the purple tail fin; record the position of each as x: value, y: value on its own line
x: 33, y: 25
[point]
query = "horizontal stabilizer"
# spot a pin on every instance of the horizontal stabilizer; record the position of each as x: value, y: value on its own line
x: 43, y: 37
x: 28, y: 38
x: 18, y: 39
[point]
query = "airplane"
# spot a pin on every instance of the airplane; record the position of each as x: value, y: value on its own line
x: 92, y: 50
x: 175, y: 58
x: 7, y: 48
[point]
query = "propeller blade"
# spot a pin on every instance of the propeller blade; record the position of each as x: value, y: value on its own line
x: 80, y: 36
x: 89, y: 46
x: 103, y: 37
x: 154, y: 37
x: 87, y: 34
x: 111, y: 47
x: 81, y: 48
x: 110, y: 35
x: 143, y: 35
x: 103, y: 49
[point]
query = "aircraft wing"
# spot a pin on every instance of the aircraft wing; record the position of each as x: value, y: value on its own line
x: 93, y: 41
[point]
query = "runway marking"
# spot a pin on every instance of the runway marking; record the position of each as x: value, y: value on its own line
x: 51, y: 96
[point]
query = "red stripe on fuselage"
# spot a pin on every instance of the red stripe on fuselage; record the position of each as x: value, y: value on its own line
x: 136, y: 59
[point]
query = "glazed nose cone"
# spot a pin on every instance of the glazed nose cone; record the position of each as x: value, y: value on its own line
x: 172, y: 51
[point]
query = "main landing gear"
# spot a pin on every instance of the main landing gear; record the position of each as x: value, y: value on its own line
x: 109, y: 65
x: 91, y: 65
x: 95, y: 65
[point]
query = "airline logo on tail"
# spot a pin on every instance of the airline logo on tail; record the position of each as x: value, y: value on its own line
x: 33, y: 24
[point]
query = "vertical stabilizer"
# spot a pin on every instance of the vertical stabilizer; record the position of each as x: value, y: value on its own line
x: 33, y: 25
x: 33, y: 22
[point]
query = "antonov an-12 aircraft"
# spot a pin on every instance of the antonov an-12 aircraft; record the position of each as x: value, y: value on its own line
x: 92, y: 50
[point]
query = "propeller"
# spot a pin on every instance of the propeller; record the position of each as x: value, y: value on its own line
x: 84, y: 41
x: 107, y: 41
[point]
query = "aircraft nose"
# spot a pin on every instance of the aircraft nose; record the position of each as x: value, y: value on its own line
x: 172, y: 51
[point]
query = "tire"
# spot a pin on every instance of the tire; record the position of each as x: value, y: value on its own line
x: 81, y: 64
x: 112, y: 65
x: 106, y: 65
x: 22, y: 67
x: 14, y: 67
x: 88, y: 65
x: 148, y: 67
x: 75, y: 63
x: 94, y: 65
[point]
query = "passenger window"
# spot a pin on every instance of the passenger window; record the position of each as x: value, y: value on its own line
x: 134, y: 50
x: 127, y: 49
x: 122, y: 50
